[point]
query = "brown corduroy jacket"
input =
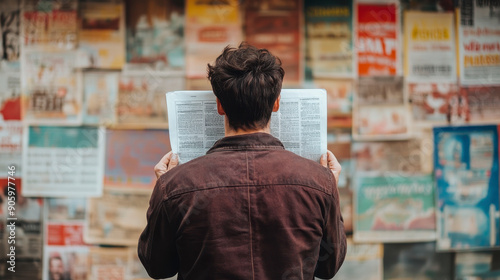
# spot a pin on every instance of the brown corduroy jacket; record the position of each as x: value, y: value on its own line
x: 248, y: 209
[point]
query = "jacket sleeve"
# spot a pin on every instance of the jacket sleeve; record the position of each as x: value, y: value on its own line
x: 156, y: 248
x: 333, y: 245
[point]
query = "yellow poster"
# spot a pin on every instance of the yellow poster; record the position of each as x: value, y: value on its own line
x: 210, y: 28
x: 429, y: 47
x: 102, y: 36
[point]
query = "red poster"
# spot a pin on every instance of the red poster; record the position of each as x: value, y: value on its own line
x: 276, y: 26
x: 65, y: 234
x: 377, y: 43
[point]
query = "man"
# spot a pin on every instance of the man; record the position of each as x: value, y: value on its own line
x: 248, y: 209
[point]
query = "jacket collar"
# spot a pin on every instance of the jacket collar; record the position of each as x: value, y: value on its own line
x: 258, y: 140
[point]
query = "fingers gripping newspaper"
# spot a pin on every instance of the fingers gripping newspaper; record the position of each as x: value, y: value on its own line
x: 195, y: 125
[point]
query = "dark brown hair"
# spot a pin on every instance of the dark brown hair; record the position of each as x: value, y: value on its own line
x: 247, y: 81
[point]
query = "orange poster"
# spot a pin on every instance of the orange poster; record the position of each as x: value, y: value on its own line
x: 377, y: 42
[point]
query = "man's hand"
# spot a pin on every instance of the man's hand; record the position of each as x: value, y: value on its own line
x: 167, y: 162
x: 328, y: 160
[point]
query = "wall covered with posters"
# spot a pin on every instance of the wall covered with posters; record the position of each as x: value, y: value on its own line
x: 413, y: 104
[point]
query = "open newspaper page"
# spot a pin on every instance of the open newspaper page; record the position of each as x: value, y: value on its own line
x: 195, y: 125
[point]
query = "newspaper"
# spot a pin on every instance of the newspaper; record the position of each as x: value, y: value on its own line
x: 195, y: 125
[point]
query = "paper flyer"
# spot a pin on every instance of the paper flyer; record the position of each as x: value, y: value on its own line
x: 131, y: 156
x: 329, y: 38
x: 65, y: 252
x: 65, y: 261
x: 63, y: 161
x: 381, y: 109
x: 141, y: 98
x: 108, y: 263
x: 429, y: 54
x: 479, y: 42
x: 10, y: 95
x: 393, y: 157
x: 100, y: 95
x: 155, y: 34
x: 276, y: 26
x: 378, y: 39
x: 394, y: 208
x: 10, y: 12
x: 482, y: 103
x: 433, y: 103
x: 340, y: 93
x: 209, y: 29
x: 466, y: 178
x: 51, y: 25
x: 101, y: 36
x: 108, y: 217
x: 51, y: 88
x: 11, y: 136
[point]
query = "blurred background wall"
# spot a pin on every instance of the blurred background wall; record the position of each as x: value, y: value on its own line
x: 413, y: 113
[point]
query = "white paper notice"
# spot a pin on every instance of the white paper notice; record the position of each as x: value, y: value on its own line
x: 63, y: 161
x: 195, y: 125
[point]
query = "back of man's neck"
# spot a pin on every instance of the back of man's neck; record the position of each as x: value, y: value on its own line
x: 232, y: 132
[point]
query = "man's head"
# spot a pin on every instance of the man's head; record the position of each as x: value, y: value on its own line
x: 247, y: 82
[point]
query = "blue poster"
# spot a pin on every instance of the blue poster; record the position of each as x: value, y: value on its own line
x: 466, y: 175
